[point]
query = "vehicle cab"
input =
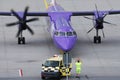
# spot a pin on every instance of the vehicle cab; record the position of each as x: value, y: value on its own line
x: 54, y: 67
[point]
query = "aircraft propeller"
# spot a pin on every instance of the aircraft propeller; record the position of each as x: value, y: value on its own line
x: 22, y: 22
x: 99, y: 20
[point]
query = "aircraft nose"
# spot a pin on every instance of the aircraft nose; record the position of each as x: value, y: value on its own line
x: 65, y: 43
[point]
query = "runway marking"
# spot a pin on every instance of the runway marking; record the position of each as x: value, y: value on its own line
x: 20, y: 73
x: 46, y: 4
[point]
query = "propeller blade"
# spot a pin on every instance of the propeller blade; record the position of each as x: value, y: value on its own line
x: 12, y: 24
x: 93, y: 20
x: 16, y: 15
x: 25, y: 13
x: 90, y: 29
x: 22, y: 22
x: 105, y: 15
x: 97, y: 10
x: 33, y: 19
x: 89, y: 18
x: 29, y: 29
x: 103, y: 33
x: 109, y: 23
x: 18, y: 33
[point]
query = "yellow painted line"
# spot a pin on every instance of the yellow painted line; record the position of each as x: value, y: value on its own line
x: 46, y: 4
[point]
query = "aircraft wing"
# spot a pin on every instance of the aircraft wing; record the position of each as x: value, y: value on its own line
x: 5, y: 14
x: 37, y: 14
x: 28, y: 14
x: 77, y: 13
x: 89, y: 13
x: 114, y: 12
x: 81, y: 13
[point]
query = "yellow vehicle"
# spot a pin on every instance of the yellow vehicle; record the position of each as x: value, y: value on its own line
x: 54, y: 67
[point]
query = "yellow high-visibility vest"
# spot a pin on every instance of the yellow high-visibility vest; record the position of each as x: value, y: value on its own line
x: 78, y: 65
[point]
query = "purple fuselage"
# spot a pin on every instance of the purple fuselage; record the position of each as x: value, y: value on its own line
x: 61, y: 31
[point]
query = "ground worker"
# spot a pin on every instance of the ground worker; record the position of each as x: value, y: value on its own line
x: 78, y: 64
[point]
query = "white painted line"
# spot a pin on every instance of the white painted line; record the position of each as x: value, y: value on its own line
x: 20, y: 73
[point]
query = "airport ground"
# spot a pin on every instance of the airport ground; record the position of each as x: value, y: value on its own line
x: 100, y: 61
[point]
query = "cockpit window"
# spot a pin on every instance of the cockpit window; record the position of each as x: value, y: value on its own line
x: 59, y: 33
x: 70, y: 33
x: 56, y: 33
x: 74, y: 33
x: 62, y: 33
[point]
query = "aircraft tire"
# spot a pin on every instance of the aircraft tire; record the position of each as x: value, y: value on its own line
x: 23, y: 40
x: 19, y: 40
x: 43, y: 77
x: 99, y: 39
x: 59, y: 76
x: 95, y: 39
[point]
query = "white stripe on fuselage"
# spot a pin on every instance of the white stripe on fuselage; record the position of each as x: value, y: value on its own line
x: 52, y: 26
x: 52, y: 29
x: 57, y: 8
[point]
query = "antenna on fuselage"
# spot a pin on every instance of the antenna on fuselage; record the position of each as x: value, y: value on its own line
x: 49, y: 3
x: 53, y: 2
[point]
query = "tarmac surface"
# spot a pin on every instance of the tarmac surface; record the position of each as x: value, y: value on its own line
x: 100, y: 61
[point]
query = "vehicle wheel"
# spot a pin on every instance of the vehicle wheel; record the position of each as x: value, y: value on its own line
x: 99, y: 39
x: 23, y: 40
x: 19, y: 40
x: 42, y: 77
x: 60, y: 76
x: 95, y: 39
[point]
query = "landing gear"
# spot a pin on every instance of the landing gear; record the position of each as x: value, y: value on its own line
x: 97, y: 39
x: 21, y: 39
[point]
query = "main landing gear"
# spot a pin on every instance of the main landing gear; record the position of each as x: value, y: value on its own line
x: 21, y: 40
x: 97, y: 39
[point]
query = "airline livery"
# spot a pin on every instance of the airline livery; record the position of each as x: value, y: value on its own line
x: 62, y: 33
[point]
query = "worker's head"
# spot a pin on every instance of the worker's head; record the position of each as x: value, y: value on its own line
x: 55, y: 55
x: 78, y: 60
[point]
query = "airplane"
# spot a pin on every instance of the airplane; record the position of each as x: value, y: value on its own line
x: 62, y: 33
